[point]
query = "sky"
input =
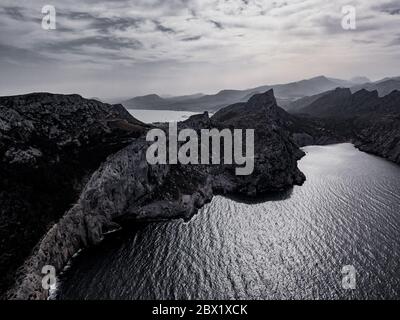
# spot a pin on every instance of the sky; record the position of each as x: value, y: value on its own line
x: 125, y: 48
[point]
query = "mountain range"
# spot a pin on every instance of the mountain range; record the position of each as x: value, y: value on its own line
x: 342, y: 103
x: 76, y: 169
x: 382, y: 87
x: 369, y: 121
x: 285, y: 94
x: 290, y: 96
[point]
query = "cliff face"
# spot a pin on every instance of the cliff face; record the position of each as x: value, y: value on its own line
x: 341, y: 103
x: 379, y: 135
x: 49, y: 146
x: 126, y: 188
x: 377, y: 130
x: 276, y: 154
x: 371, y: 122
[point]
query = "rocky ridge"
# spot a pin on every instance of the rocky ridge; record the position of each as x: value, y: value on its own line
x: 125, y: 188
x: 371, y: 122
x: 49, y: 146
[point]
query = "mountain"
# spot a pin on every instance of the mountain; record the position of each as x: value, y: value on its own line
x: 76, y: 169
x: 126, y: 189
x: 383, y: 87
x: 371, y: 122
x: 299, y: 104
x: 197, y: 102
x: 284, y: 93
x: 49, y: 145
x: 342, y: 103
x: 388, y: 78
x: 186, y: 97
x: 96, y: 98
x: 360, y: 80
x: 150, y: 101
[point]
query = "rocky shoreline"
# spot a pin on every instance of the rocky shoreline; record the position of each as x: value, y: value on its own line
x: 49, y: 147
x: 97, y: 152
x: 370, y: 122
x: 126, y: 188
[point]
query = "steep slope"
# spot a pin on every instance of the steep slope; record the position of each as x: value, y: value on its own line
x: 383, y: 87
x: 49, y: 145
x: 308, y: 87
x: 338, y: 103
x: 341, y: 103
x: 298, y: 105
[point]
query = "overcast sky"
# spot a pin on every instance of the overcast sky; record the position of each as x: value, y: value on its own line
x: 123, y: 48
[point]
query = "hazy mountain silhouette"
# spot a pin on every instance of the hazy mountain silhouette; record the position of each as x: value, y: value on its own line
x: 285, y: 94
x: 360, y: 80
x: 343, y: 103
x: 383, y: 88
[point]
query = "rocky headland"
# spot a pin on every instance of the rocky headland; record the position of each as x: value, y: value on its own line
x: 123, y: 188
x: 49, y: 147
x: 75, y: 169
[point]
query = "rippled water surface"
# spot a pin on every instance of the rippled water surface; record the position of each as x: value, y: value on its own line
x: 347, y: 213
x: 151, y: 116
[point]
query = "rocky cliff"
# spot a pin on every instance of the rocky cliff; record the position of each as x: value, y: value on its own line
x: 371, y: 122
x: 379, y: 135
x: 49, y: 147
x: 126, y: 188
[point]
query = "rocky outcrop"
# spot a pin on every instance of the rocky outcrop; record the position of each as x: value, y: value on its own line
x: 127, y: 189
x: 341, y: 103
x: 379, y: 135
x: 49, y: 146
x: 371, y: 122
x: 307, y: 131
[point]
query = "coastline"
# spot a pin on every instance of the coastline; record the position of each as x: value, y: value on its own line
x: 127, y: 189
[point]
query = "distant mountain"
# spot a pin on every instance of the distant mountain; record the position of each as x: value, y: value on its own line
x: 186, y: 97
x: 343, y: 83
x: 360, y: 80
x: 296, y: 90
x: 384, y: 87
x: 369, y: 121
x: 150, y: 101
x: 297, y: 105
x: 388, y: 78
x: 285, y: 94
x: 342, y: 103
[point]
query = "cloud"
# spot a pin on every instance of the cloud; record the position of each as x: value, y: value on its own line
x: 102, y: 24
x: 395, y: 42
x: 104, y: 42
x: 14, y: 55
x: 162, y: 28
x: 267, y: 41
x: 195, y: 38
x: 217, y: 24
x: 15, y: 13
x: 362, y: 41
x: 392, y: 7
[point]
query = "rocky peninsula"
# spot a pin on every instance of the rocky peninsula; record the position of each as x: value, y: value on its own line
x: 124, y: 187
x: 75, y: 169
